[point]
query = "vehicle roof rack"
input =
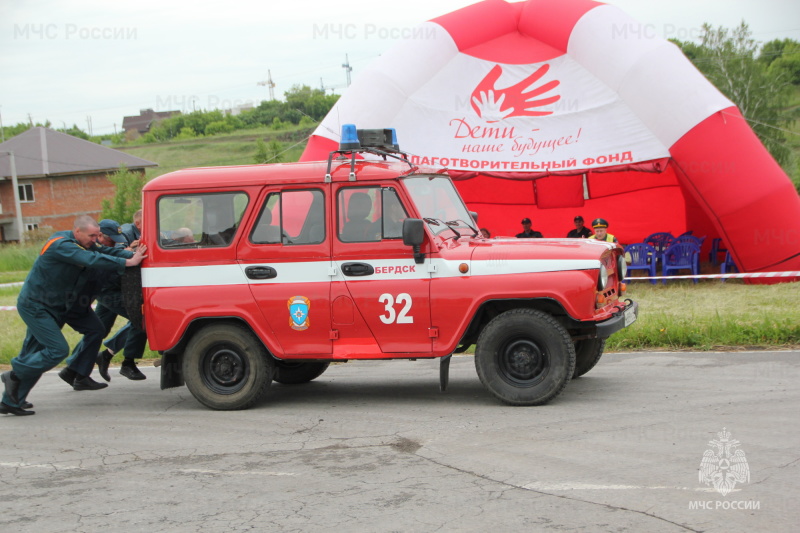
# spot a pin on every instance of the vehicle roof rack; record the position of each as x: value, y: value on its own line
x: 380, y: 142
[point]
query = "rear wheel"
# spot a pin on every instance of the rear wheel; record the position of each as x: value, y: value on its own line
x: 524, y: 357
x: 226, y: 367
x: 587, y: 354
x: 289, y: 373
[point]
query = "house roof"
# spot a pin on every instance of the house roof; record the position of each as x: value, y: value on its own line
x: 45, y: 152
x: 144, y: 119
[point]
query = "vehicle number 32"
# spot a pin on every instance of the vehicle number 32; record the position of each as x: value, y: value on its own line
x: 396, y: 317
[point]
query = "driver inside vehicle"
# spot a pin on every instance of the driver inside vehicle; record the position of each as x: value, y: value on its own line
x: 265, y: 232
x: 393, y: 217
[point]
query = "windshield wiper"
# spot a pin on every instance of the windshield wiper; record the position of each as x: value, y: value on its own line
x: 464, y: 222
x: 447, y: 225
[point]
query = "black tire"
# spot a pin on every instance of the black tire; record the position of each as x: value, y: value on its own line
x: 289, y: 373
x: 132, y: 298
x: 226, y: 367
x: 587, y: 353
x: 524, y: 357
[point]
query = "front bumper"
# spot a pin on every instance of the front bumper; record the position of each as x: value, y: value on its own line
x: 623, y: 319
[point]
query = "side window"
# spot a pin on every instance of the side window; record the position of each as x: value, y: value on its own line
x: 199, y: 220
x: 359, y: 214
x: 393, y: 214
x: 291, y: 217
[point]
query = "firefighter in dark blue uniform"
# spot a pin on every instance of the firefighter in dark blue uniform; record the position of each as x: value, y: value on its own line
x: 81, y: 362
x: 57, y: 276
x: 110, y: 303
x: 132, y: 231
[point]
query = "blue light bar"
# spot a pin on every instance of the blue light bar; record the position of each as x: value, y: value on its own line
x: 349, y: 139
x: 394, y: 139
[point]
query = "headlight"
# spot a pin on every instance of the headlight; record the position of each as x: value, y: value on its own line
x: 602, y: 279
x: 622, y: 268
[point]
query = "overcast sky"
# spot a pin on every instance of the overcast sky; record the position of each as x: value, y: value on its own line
x: 69, y: 60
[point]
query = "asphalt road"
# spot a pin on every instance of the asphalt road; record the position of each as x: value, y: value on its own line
x: 374, y: 446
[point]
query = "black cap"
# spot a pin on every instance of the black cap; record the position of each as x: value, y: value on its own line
x: 526, y: 220
x: 111, y: 229
x: 577, y: 218
x: 599, y: 223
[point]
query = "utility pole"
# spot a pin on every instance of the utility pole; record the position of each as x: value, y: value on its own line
x: 269, y: 84
x: 17, y: 206
x: 89, y: 124
x: 347, y: 68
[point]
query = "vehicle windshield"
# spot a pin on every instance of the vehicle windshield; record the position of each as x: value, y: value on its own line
x: 439, y: 203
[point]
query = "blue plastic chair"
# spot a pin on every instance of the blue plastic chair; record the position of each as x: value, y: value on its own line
x: 660, y: 241
x: 691, y: 238
x: 643, y: 257
x: 716, y: 249
x: 681, y: 256
x: 695, y: 240
x: 728, y: 265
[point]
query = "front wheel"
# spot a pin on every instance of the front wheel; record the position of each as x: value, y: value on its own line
x: 226, y: 367
x: 289, y: 373
x: 587, y: 354
x: 524, y: 357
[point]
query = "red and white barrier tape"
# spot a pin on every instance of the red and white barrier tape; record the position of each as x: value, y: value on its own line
x: 739, y: 275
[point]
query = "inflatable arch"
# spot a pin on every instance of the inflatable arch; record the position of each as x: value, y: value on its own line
x: 552, y: 108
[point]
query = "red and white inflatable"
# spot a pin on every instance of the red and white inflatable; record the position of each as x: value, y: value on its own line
x: 552, y: 108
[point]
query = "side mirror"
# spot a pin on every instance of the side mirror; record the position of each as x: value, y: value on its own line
x: 474, y: 215
x: 414, y: 235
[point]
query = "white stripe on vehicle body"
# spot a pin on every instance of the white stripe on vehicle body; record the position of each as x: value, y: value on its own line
x: 327, y: 271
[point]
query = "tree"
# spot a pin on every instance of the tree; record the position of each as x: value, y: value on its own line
x: 128, y: 196
x: 312, y: 102
x: 261, y: 155
x: 268, y: 153
x: 218, y: 126
x: 75, y: 131
x: 729, y: 59
x: 782, y: 55
x: 275, y: 151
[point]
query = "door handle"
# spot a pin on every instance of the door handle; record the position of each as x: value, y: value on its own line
x: 260, y: 272
x: 357, y: 269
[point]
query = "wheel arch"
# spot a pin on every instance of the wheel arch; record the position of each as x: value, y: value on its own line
x: 492, y: 308
x: 172, y: 358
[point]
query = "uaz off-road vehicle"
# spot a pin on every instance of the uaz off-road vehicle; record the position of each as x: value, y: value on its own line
x: 272, y: 272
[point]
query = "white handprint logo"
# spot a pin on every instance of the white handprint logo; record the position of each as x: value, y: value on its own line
x: 519, y: 100
x: 489, y: 107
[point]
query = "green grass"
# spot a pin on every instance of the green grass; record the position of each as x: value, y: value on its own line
x: 676, y: 316
x: 15, y: 258
x: 711, y: 315
x: 237, y: 148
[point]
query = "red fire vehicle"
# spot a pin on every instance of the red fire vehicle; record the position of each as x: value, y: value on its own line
x: 271, y: 272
